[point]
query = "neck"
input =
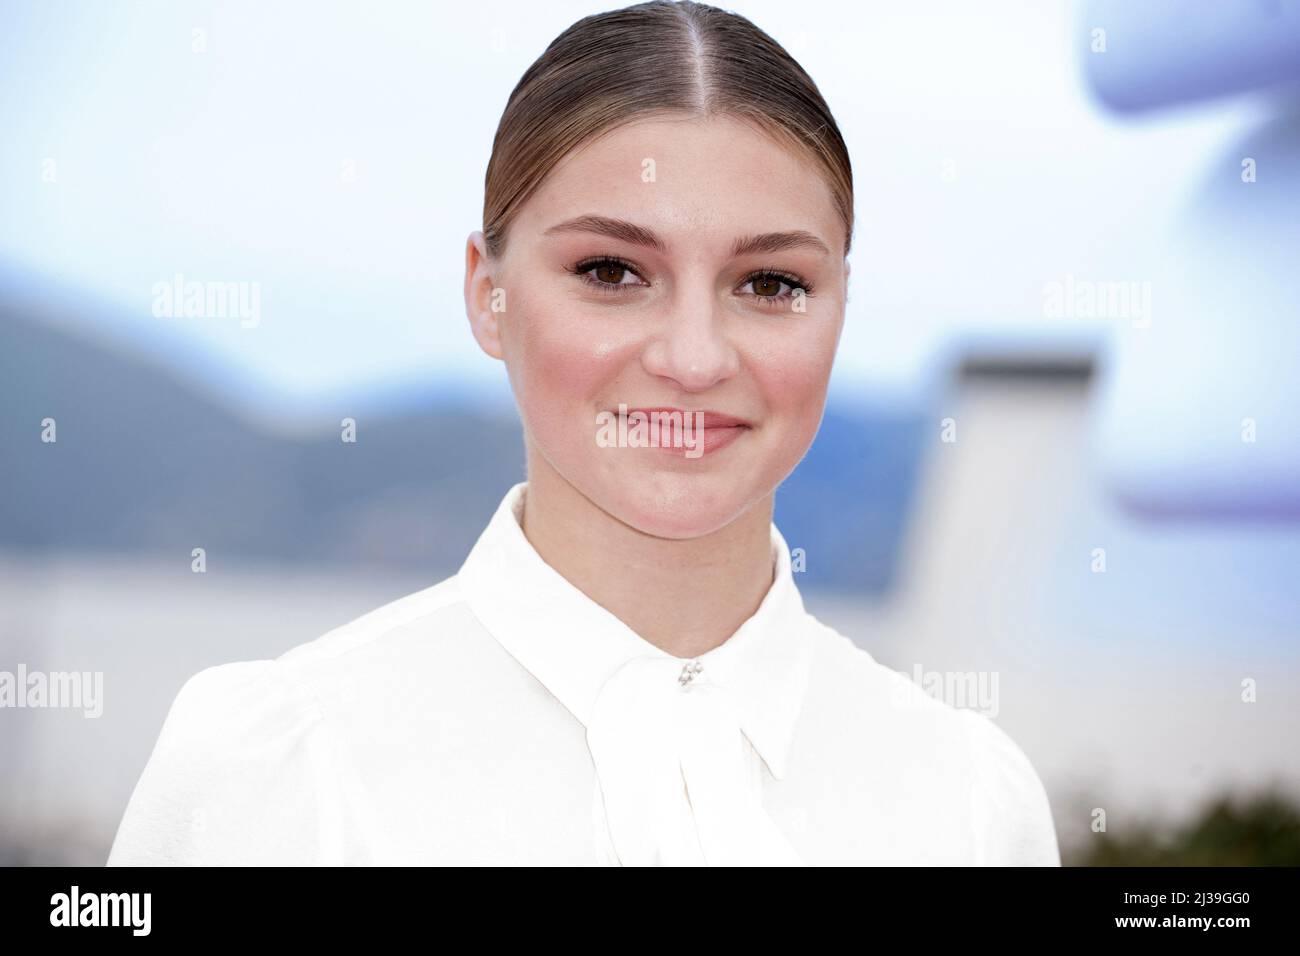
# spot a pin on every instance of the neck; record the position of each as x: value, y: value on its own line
x: 685, y: 596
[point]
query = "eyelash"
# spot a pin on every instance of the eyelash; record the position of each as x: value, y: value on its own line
x: 608, y: 288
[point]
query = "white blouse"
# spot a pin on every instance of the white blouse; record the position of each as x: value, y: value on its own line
x: 503, y: 717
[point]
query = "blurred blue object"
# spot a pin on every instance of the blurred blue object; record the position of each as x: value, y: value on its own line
x: 1154, y: 53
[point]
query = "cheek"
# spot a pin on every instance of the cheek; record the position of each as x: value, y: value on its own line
x: 560, y: 363
x: 792, y: 374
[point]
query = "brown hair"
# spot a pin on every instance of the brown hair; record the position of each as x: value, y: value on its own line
x: 610, y: 68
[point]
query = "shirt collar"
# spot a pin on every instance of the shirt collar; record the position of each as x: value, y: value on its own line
x: 572, y: 645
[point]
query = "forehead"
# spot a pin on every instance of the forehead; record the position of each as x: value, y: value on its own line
x: 693, y: 181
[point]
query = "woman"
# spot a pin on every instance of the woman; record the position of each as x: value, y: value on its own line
x: 622, y: 672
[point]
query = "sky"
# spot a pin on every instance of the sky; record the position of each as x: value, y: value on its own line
x: 333, y: 154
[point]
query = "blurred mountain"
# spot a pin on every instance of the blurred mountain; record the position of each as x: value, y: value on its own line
x: 146, y: 462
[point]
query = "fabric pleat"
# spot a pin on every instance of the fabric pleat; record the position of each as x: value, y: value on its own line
x: 671, y: 763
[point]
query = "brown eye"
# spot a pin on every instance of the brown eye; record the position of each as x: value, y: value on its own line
x: 767, y: 285
x: 610, y: 272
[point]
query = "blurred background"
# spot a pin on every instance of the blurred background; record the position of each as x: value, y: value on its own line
x: 1062, y: 447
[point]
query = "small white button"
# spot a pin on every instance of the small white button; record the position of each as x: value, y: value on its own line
x: 689, y: 670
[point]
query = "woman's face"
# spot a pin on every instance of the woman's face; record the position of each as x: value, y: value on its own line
x: 672, y: 265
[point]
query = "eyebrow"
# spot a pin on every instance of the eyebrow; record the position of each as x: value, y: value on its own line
x: 778, y: 242
x: 614, y: 228
x: 640, y: 236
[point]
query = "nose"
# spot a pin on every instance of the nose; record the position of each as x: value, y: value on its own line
x: 692, y: 348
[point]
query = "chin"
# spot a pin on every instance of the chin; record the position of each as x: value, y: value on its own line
x: 675, y: 504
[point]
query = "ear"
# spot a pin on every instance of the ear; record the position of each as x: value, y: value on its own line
x: 482, y: 297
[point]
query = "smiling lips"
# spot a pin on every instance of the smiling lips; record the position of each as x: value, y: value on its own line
x: 720, y: 429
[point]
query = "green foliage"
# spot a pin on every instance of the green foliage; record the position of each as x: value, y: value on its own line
x: 1261, y: 830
